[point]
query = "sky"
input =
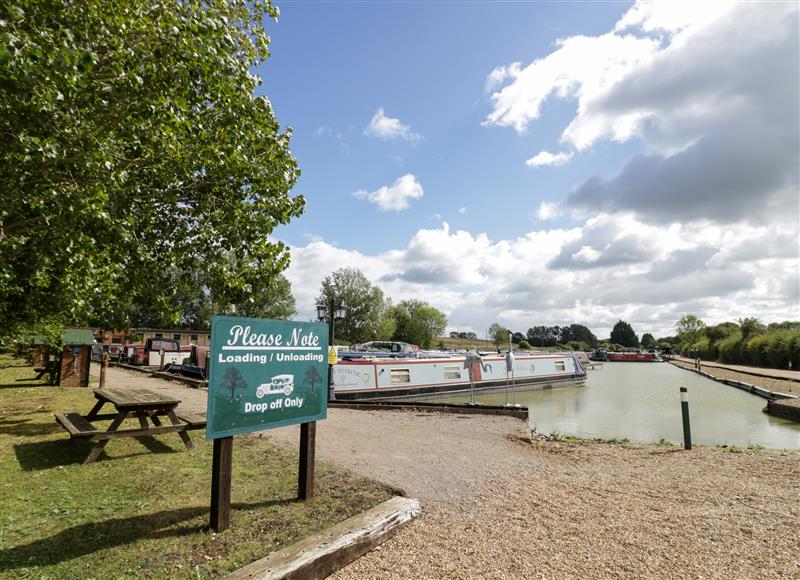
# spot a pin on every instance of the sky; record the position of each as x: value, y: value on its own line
x: 535, y: 163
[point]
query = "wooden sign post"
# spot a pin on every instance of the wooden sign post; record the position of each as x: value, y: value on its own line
x: 263, y: 374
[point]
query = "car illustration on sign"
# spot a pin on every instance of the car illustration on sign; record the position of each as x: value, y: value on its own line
x: 279, y: 384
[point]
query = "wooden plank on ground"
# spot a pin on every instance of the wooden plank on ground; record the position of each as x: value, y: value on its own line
x: 322, y: 554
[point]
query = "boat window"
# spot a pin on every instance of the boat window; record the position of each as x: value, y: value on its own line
x: 560, y: 365
x: 452, y: 372
x: 399, y: 376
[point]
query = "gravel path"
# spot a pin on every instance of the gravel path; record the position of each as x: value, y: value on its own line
x: 496, y: 505
x: 783, y: 386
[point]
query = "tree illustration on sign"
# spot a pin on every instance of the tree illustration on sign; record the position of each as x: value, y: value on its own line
x: 232, y: 380
x: 312, y: 377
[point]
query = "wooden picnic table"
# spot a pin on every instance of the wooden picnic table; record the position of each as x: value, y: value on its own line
x: 145, y: 405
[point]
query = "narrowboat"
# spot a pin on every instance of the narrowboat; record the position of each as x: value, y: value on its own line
x: 637, y: 356
x: 431, y: 375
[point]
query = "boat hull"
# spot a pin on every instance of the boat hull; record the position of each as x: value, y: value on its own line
x: 632, y: 357
x: 398, y: 379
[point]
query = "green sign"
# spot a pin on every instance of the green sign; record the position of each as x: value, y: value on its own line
x: 265, y: 374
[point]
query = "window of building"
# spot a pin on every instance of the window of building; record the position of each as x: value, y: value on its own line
x: 560, y: 365
x: 452, y: 372
x: 159, y: 335
x: 116, y: 340
x: 399, y: 376
x: 193, y: 338
x: 176, y: 336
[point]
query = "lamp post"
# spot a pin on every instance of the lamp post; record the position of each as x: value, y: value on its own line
x: 328, y: 312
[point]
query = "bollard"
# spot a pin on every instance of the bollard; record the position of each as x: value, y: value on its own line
x: 163, y: 359
x: 687, y: 431
x: 103, y: 367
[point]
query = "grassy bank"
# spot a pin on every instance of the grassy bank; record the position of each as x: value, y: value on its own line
x: 141, y: 510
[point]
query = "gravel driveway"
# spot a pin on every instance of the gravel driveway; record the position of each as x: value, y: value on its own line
x: 497, y: 505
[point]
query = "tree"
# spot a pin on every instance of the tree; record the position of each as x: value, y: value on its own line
x: 623, y: 334
x: 312, y: 377
x: 417, y: 322
x: 689, y: 329
x: 648, y: 340
x: 751, y: 327
x: 580, y: 333
x: 136, y: 154
x: 498, y: 334
x: 517, y: 337
x: 367, y: 315
x: 233, y: 380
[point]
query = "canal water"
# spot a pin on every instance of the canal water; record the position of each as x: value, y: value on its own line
x: 641, y: 402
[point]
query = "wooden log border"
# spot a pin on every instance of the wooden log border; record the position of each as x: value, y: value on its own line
x: 322, y: 554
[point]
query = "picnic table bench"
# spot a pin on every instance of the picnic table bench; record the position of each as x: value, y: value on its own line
x: 145, y: 405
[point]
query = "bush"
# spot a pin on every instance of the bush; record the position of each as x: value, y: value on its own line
x: 524, y: 345
x: 730, y: 348
x: 777, y: 350
x: 755, y: 351
x: 794, y: 350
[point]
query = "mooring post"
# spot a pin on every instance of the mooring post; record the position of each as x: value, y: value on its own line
x: 687, y: 431
x: 221, y: 469
x: 103, y: 367
x: 163, y: 359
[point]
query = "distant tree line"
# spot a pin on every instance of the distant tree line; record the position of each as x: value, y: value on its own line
x: 747, y: 341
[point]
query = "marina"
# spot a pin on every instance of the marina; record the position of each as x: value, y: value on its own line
x: 641, y: 403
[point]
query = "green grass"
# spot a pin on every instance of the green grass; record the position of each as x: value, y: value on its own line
x: 142, y: 509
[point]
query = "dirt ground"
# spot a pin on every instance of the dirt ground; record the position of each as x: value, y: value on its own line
x: 496, y: 504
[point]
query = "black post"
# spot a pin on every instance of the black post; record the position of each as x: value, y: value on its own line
x: 687, y: 431
x: 331, y: 331
x: 221, y: 468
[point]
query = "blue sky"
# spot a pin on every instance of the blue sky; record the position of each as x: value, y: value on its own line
x: 545, y: 162
x: 426, y: 65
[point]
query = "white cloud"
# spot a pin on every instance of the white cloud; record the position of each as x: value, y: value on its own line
x: 709, y: 88
x: 500, y: 74
x: 387, y: 128
x: 548, y: 210
x: 544, y: 158
x: 393, y: 197
x: 609, y: 268
x: 462, y: 210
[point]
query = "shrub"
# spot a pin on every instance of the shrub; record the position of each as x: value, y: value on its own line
x: 755, y: 351
x: 730, y: 348
x: 524, y: 345
x: 777, y: 350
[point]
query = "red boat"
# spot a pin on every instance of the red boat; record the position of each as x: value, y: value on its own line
x: 633, y: 357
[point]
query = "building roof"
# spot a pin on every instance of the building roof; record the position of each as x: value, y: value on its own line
x: 77, y: 337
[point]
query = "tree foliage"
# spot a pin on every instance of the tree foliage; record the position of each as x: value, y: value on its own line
x: 499, y: 335
x: 689, y: 328
x: 367, y: 315
x: 417, y: 322
x: 648, y: 340
x: 137, y: 158
x: 623, y: 334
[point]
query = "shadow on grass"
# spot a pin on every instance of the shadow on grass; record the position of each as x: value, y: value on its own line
x: 24, y: 384
x: 85, y: 539
x: 50, y: 454
x: 24, y: 427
